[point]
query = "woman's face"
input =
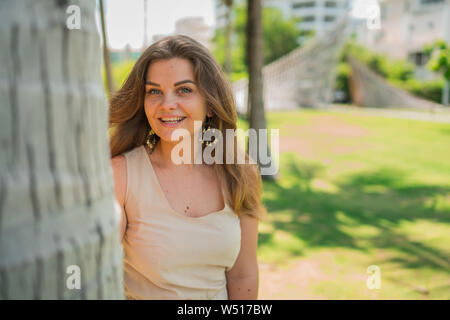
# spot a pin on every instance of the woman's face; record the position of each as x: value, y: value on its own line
x: 172, y: 98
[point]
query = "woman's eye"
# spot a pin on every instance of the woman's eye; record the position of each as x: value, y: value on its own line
x: 185, y: 90
x: 153, y: 91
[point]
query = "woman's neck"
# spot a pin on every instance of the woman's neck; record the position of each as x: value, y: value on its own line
x: 164, y: 153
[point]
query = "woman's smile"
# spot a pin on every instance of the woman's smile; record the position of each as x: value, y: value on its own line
x: 171, y: 122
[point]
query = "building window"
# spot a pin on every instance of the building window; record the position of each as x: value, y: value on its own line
x: 330, y: 4
x: 383, y: 13
x: 379, y: 35
x: 418, y: 58
x: 430, y: 24
x: 308, y: 19
x: 430, y: 1
x: 309, y: 4
x: 329, y: 18
x: 307, y: 33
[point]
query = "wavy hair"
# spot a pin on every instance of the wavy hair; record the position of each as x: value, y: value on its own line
x: 129, y: 127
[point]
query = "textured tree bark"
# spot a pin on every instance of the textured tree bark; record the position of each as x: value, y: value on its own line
x: 56, y: 187
x: 255, y: 58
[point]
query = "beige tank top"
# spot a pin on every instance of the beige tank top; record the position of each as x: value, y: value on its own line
x: 168, y: 255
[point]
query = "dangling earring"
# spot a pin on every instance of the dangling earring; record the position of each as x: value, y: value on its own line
x: 207, y: 128
x: 151, y: 139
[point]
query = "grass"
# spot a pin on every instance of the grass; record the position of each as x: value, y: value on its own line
x: 355, y: 191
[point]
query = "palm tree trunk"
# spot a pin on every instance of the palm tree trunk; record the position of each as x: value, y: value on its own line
x: 228, y: 31
x: 255, y: 59
x: 56, y: 187
x: 145, y: 43
x: 106, y: 60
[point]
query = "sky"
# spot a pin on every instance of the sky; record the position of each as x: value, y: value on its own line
x: 125, y: 18
x: 360, y: 7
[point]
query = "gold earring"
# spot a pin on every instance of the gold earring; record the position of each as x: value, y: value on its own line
x: 151, y: 139
x: 206, y: 128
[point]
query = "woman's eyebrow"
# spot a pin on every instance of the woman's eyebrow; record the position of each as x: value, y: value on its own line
x: 175, y: 84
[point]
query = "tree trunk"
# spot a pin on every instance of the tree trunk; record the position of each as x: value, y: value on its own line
x: 255, y: 58
x: 56, y: 187
x: 446, y: 93
x: 106, y: 61
x: 228, y: 31
x: 145, y: 43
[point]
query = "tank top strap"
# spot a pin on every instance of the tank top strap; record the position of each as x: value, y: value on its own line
x: 129, y: 160
x: 141, y: 194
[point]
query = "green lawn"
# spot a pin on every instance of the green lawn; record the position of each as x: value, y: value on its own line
x: 355, y: 191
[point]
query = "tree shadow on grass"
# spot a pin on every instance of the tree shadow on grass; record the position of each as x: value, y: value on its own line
x: 446, y: 130
x: 378, y: 199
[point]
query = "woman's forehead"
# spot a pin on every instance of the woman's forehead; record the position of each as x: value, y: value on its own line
x: 178, y: 68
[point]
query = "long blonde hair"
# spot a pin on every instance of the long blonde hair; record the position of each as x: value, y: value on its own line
x: 129, y: 127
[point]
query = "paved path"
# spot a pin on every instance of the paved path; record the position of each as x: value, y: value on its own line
x: 436, y: 115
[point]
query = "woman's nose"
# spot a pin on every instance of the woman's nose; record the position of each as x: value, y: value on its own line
x: 170, y: 101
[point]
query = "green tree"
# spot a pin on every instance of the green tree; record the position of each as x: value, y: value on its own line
x: 237, y: 39
x: 228, y: 32
x: 397, y: 72
x: 439, y: 52
x: 279, y: 37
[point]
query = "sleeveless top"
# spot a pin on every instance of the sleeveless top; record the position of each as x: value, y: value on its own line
x: 168, y: 255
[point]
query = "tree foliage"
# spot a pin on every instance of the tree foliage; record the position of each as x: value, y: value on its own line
x: 399, y: 73
x: 280, y: 37
x: 391, y: 69
x: 439, y: 52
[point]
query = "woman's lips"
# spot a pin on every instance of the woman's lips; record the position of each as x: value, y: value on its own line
x: 171, y: 124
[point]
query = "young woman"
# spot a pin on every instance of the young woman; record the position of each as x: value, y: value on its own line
x: 189, y: 231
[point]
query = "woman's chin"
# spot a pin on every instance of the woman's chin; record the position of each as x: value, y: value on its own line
x: 167, y: 138
x: 165, y: 134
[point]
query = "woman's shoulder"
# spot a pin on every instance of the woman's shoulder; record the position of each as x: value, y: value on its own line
x: 119, y: 168
x: 119, y: 165
x: 132, y: 151
x: 119, y: 161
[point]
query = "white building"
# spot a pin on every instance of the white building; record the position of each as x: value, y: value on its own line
x: 319, y: 16
x: 406, y: 26
x: 194, y: 27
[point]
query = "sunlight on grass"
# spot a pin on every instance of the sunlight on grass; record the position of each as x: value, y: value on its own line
x: 438, y: 202
x: 283, y: 246
x: 434, y: 233
x: 354, y: 191
x: 324, y: 185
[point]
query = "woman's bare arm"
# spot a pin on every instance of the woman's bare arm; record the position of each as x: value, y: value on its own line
x: 118, y: 164
x: 243, y: 277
